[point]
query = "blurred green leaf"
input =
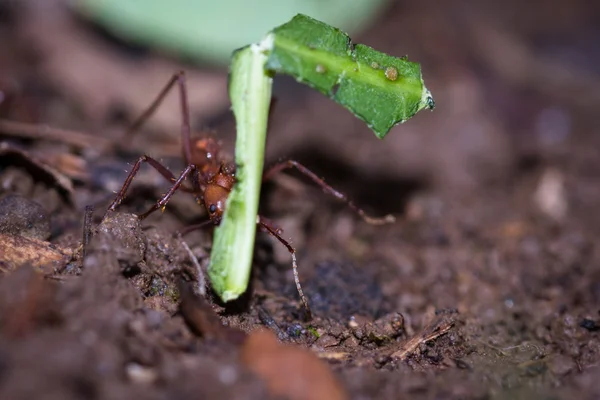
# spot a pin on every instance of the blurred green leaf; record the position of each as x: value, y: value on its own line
x: 210, y: 30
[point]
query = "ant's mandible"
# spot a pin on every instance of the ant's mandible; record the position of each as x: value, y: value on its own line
x: 211, y: 179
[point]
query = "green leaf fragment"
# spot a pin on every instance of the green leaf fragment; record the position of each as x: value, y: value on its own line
x: 233, y: 244
x: 380, y: 89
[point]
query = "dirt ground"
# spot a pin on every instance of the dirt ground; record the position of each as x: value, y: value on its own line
x: 486, y: 287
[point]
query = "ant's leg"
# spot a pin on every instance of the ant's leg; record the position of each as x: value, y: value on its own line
x: 186, y: 141
x: 153, y: 106
x: 134, y: 170
x: 388, y: 219
x: 83, y: 140
x: 275, y: 232
x: 186, y: 129
x: 271, y: 224
x: 194, y: 227
x: 179, y: 79
x: 87, y: 228
x: 176, y: 185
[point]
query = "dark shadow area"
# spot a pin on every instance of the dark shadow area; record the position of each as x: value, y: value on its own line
x: 380, y: 193
x: 340, y: 290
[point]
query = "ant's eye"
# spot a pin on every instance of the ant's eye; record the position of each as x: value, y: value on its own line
x: 212, y: 208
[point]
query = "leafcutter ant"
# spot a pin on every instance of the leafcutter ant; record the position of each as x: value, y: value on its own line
x: 210, y: 179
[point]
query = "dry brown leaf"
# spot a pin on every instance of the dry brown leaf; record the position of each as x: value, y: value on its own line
x: 16, y: 251
x: 290, y: 371
x: 39, y: 169
x: 71, y: 165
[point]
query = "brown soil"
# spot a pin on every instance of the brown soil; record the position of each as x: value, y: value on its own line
x: 487, y: 286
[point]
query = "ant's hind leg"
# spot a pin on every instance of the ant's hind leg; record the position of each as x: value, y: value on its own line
x: 179, y: 79
x: 141, y: 120
x: 276, y: 233
x: 134, y: 170
x: 388, y: 219
x: 186, y: 141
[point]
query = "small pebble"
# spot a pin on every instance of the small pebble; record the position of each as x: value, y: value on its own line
x: 590, y: 325
x: 140, y: 374
x: 561, y: 365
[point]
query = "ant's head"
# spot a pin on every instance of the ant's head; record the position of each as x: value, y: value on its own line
x: 215, y: 197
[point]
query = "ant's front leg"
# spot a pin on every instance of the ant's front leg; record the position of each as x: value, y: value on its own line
x: 134, y: 170
x: 388, y: 219
x: 159, y: 205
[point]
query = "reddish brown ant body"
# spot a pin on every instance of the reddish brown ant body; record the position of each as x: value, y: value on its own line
x: 219, y: 177
x: 212, y: 179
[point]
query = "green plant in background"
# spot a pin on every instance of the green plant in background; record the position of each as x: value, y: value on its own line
x: 209, y: 30
x: 380, y: 89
